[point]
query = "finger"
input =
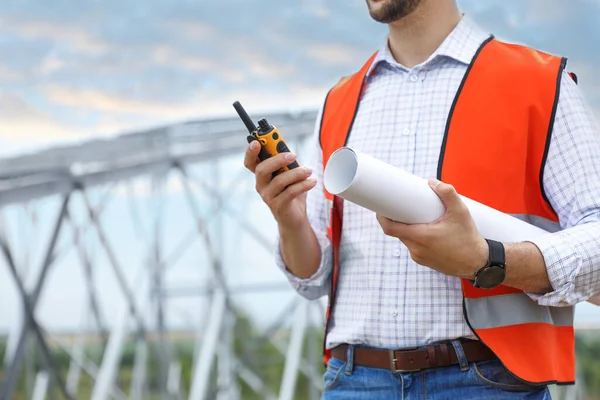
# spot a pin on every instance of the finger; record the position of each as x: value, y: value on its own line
x: 264, y: 170
x: 397, y: 229
x: 447, y: 193
x: 293, y: 191
x: 251, y: 159
x: 281, y: 181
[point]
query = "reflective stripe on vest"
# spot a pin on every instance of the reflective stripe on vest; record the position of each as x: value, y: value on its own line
x: 494, y: 150
x: 490, y: 312
x: 540, y: 222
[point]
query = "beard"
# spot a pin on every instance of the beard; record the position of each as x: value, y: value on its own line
x: 391, y: 10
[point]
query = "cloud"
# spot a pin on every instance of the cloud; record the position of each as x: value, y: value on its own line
x: 333, y: 54
x: 20, y: 122
x: 145, y: 188
x: 165, y: 55
x: 200, y: 104
x: 8, y: 74
x: 260, y: 65
x: 236, y: 67
x: 290, y: 98
x: 90, y: 99
x: 194, y: 30
x: 169, y: 56
x: 548, y: 11
x: 78, y: 38
x: 51, y: 63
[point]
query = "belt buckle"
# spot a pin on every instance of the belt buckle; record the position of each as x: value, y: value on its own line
x: 393, y: 360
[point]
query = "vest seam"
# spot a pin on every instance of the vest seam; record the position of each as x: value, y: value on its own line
x: 453, y: 107
x: 355, y: 109
x: 323, y: 117
x: 563, y: 64
x: 362, y: 86
x: 334, y: 284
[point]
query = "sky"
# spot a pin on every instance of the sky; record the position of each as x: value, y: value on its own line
x: 73, y: 70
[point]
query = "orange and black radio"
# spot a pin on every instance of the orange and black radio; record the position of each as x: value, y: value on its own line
x: 268, y: 136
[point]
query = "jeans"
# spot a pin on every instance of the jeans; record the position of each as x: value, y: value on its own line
x: 487, y: 380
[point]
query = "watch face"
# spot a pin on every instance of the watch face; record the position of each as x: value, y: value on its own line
x: 491, y: 277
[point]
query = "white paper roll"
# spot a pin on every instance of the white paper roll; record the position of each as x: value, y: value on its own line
x: 404, y: 197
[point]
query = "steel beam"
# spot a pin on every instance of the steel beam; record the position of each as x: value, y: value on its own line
x: 157, y: 271
x: 139, y: 370
x: 112, y: 355
x: 47, y: 358
x: 174, y: 381
x: 117, y: 270
x: 313, y: 360
x: 226, y: 378
x: 115, y: 343
x: 254, y: 381
x: 255, y: 233
x: 91, y: 369
x: 200, y: 381
x: 41, y: 386
x: 221, y: 144
x: 201, y: 225
x: 17, y: 359
x: 294, y: 353
x: 75, y: 366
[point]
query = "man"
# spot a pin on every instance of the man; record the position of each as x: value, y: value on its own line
x: 435, y: 309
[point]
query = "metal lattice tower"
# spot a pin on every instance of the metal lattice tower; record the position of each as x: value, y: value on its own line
x: 202, y: 162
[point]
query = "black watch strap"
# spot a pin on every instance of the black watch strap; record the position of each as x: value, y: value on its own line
x: 497, y: 254
x: 493, y: 272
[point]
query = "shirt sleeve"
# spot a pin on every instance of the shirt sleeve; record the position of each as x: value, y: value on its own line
x: 572, y: 185
x: 317, y: 285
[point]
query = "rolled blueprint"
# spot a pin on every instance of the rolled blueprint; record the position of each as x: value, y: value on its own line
x: 404, y: 197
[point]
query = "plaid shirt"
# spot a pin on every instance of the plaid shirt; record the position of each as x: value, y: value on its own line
x: 384, y: 298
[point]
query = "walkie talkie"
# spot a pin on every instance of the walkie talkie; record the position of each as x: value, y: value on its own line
x: 268, y: 136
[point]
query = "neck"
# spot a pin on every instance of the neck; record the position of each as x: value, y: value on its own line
x: 415, y: 37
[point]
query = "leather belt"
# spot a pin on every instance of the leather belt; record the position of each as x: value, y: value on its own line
x: 415, y: 359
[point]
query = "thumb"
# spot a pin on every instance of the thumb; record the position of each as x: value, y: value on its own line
x: 446, y: 193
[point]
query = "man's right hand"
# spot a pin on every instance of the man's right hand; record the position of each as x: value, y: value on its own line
x: 285, y: 195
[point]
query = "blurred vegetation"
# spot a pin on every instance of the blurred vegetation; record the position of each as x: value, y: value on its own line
x: 266, y: 361
x: 588, y: 359
x: 257, y: 353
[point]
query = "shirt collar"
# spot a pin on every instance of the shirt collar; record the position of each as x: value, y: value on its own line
x: 461, y: 45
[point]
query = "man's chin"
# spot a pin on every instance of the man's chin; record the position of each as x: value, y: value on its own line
x: 376, y: 5
x: 388, y: 11
x: 377, y: 10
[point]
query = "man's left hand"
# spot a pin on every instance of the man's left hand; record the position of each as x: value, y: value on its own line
x: 451, y: 245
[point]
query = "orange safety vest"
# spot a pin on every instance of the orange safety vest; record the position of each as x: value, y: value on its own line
x: 494, y: 150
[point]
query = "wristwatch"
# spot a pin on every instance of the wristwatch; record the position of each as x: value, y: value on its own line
x: 494, y: 271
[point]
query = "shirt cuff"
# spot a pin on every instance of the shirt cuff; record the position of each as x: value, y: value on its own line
x: 563, y: 264
x: 316, y: 285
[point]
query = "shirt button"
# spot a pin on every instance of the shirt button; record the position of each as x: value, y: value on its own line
x: 397, y: 252
x: 414, y: 78
x: 406, y: 131
x: 394, y: 313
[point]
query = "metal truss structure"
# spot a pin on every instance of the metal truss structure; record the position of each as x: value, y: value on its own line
x: 199, y: 166
x: 196, y: 161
